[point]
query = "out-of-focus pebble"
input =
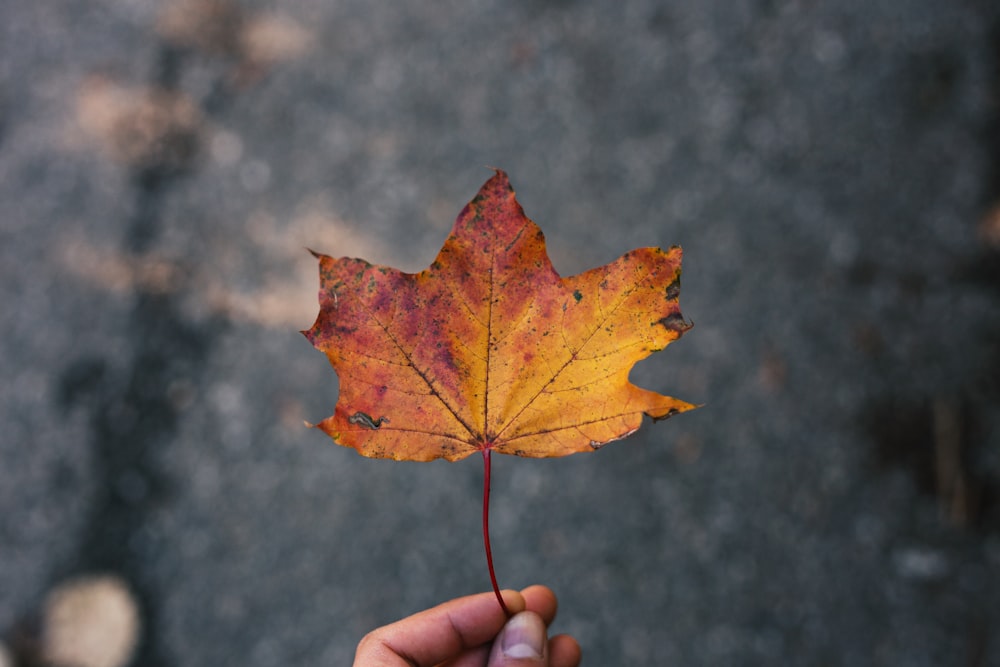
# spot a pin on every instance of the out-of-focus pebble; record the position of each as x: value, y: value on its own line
x: 5, y: 659
x: 90, y: 622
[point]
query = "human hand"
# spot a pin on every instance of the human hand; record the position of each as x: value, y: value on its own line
x: 472, y: 631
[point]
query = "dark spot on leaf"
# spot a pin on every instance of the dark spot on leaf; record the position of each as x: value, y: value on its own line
x: 666, y: 416
x: 674, y: 289
x: 578, y: 296
x: 675, y: 322
x: 514, y: 240
x: 366, y: 420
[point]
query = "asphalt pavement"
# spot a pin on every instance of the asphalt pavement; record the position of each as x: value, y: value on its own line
x: 831, y: 169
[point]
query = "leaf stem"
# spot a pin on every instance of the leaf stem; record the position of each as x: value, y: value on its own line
x: 486, y: 529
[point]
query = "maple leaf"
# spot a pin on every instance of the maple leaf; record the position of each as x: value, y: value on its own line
x: 489, y: 349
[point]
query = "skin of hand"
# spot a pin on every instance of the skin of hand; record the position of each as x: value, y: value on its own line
x: 472, y: 631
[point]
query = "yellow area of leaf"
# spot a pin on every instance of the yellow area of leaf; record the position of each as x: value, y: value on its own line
x: 489, y: 348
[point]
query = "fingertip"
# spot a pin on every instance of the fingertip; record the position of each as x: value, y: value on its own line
x: 564, y: 651
x: 541, y: 600
x: 514, y: 601
x: 537, y: 589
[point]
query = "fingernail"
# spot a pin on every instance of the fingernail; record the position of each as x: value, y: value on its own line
x: 523, y: 636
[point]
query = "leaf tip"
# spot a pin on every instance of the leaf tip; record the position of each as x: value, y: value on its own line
x: 499, y: 179
x: 678, y: 408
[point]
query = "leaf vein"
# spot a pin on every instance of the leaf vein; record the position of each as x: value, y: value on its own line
x: 423, y: 376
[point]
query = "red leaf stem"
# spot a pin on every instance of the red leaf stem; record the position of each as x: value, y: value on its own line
x: 486, y: 529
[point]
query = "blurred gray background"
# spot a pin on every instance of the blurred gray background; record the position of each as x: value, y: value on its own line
x: 832, y: 170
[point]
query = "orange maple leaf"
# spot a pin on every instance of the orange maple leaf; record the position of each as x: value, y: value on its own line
x: 489, y: 348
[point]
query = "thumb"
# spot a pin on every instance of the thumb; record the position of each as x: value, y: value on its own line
x: 521, y: 643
